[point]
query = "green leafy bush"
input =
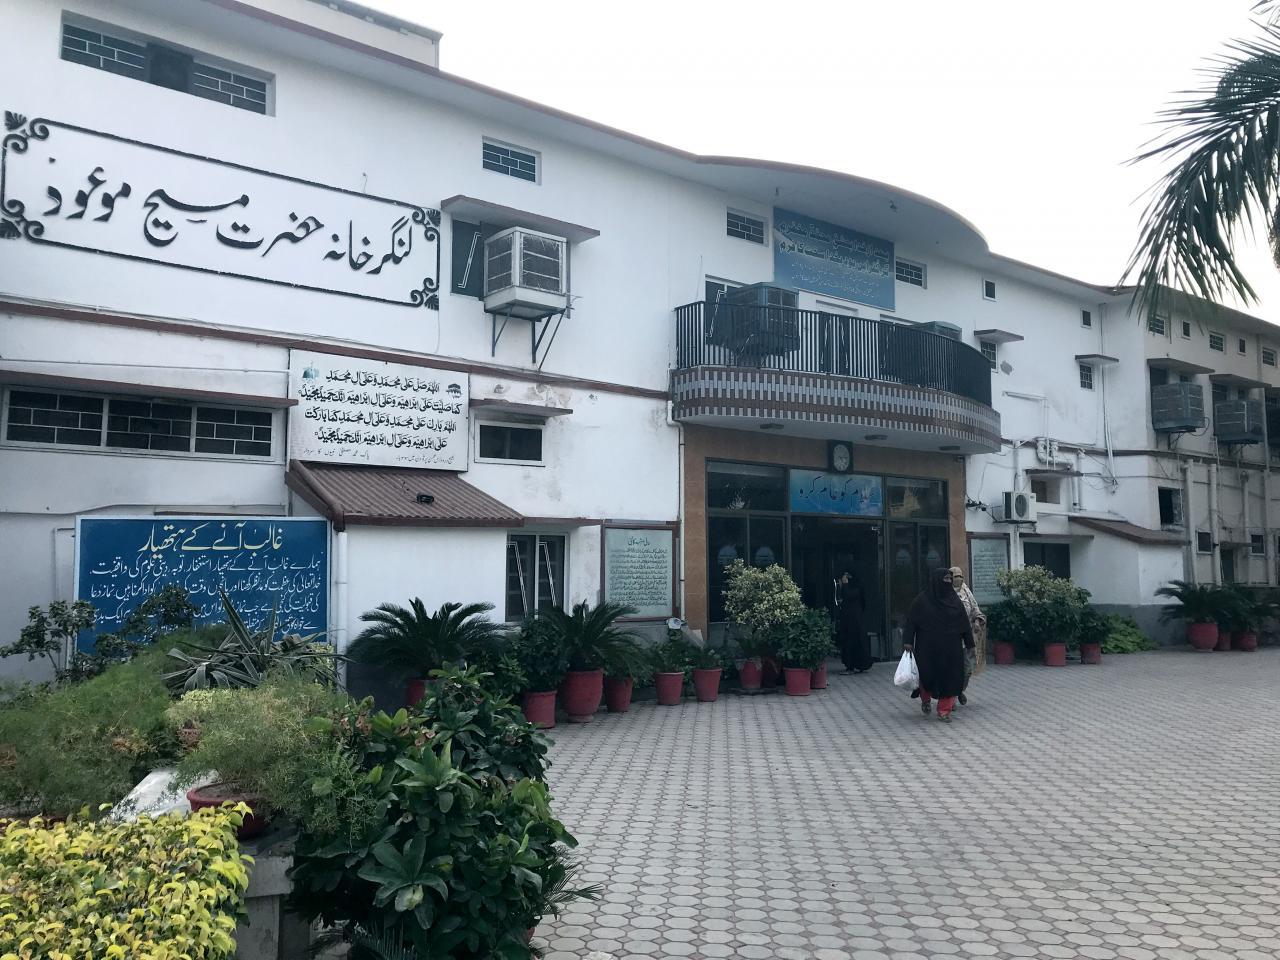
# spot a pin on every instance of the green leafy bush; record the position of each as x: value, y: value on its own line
x: 152, y: 889
x: 807, y: 641
x: 85, y: 744
x: 1123, y: 636
x: 761, y: 602
x: 49, y: 632
x: 540, y: 654
x: 1041, y: 608
x: 499, y: 666
x: 673, y: 655
x: 167, y: 611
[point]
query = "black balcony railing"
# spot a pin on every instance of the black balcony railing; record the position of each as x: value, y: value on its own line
x: 810, y: 341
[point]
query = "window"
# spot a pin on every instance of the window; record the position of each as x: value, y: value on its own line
x: 517, y: 444
x: 1242, y: 394
x: 1086, y: 377
x: 744, y: 226
x: 1257, y: 546
x: 1086, y: 318
x: 1158, y: 326
x: 137, y: 424
x: 1204, y: 541
x: 916, y: 499
x: 157, y: 63
x: 988, y: 289
x: 1268, y: 357
x: 746, y: 486
x: 1216, y: 342
x: 513, y: 161
x: 1047, y: 490
x: 1186, y: 329
x: 989, y: 351
x: 1054, y: 557
x: 1242, y: 346
x: 1170, y: 499
x: 535, y: 573
x: 908, y: 272
x: 717, y: 289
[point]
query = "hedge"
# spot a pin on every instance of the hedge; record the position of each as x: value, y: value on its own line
x: 163, y: 888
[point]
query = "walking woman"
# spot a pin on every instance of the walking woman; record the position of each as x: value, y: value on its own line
x: 975, y: 660
x: 851, y: 631
x: 937, y: 631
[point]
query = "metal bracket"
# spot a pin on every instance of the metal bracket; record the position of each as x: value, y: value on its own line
x: 497, y: 331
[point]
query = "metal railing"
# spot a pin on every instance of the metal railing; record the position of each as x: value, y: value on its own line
x: 811, y: 341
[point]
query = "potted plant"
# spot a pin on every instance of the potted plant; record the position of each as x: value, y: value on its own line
x: 1199, y: 606
x: 1094, y: 629
x: 805, y: 646
x: 761, y: 602
x: 543, y: 663
x: 624, y: 669
x: 1042, y: 611
x: 670, y: 659
x: 411, y: 642
x: 707, y: 668
x: 587, y: 637
x: 1005, y: 627
x: 754, y: 649
x: 1247, y: 610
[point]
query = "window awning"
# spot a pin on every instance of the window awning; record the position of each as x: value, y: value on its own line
x: 1130, y: 531
x: 1178, y: 366
x: 996, y: 335
x: 396, y: 496
x: 495, y: 214
x: 1101, y: 359
x: 1235, y: 380
x: 56, y: 381
x: 495, y: 409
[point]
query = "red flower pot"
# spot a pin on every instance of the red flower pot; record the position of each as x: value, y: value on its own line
x: 771, y: 672
x: 540, y: 708
x: 797, y: 681
x: 582, y: 690
x: 1246, y: 641
x: 1055, y: 654
x: 1091, y: 653
x: 1004, y: 653
x: 1203, y: 636
x: 749, y: 675
x: 706, y: 684
x: 617, y: 693
x: 669, y: 687
x: 818, y: 678
x: 216, y: 794
x: 1224, y: 641
x: 414, y: 691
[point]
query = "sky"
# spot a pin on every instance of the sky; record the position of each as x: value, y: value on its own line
x: 1020, y: 115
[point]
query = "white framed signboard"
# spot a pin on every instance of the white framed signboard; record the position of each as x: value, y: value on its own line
x: 988, y: 556
x: 639, y: 569
x: 367, y: 412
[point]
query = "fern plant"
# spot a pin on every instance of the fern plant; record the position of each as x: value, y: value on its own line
x: 412, y: 642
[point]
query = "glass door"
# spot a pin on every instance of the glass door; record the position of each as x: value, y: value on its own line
x: 904, y: 578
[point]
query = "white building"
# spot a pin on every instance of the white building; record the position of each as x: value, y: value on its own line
x: 246, y: 254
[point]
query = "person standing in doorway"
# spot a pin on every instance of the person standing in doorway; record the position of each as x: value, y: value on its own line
x: 851, y: 631
x: 937, y: 632
x: 975, y: 659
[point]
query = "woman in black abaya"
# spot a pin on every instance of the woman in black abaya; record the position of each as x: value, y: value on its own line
x: 937, y: 631
x: 851, y: 631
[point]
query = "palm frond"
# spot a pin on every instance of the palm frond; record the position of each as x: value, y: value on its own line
x: 1224, y: 142
x: 413, y: 642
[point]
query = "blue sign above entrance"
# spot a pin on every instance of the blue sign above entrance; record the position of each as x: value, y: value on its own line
x: 821, y: 257
x: 846, y: 495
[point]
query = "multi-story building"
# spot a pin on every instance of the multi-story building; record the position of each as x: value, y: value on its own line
x: 541, y: 361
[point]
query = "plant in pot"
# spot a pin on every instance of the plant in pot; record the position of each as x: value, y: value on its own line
x: 1247, y: 610
x: 1198, y: 605
x: 750, y: 668
x: 670, y: 661
x: 542, y: 660
x: 761, y: 602
x: 806, y: 644
x: 410, y: 642
x: 1006, y: 626
x: 587, y: 637
x: 1094, y: 628
x: 708, y: 666
x: 625, y: 668
x: 1049, y: 609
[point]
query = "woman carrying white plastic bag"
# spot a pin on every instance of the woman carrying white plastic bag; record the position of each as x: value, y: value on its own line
x: 907, y: 675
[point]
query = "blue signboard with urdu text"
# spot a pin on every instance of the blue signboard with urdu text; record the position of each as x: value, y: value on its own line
x: 262, y: 563
x: 842, y: 494
x: 822, y: 257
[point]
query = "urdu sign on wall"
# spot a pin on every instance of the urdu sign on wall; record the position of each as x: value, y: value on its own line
x: 66, y: 186
x: 822, y: 257
x: 366, y: 412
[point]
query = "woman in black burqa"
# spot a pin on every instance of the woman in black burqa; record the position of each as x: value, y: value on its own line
x: 851, y: 632
x: 935, y: 622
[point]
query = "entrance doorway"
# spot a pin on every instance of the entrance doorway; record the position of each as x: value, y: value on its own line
x: 822, y: 549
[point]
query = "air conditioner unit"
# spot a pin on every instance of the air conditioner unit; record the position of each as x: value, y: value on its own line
x: 1238, y: 421
x: 1019, y: 506
x: 524, y: 274
x: 759, y: 318
x: 948, y: 330
x: 1177, y: 407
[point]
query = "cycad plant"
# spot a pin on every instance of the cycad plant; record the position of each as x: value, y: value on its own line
x: 590, y: 636
x: 412, y: 642
x: 1193, y: 602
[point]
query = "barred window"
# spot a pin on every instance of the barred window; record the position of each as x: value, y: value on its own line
x: 1158, y: 326
x: 1217, y: 342
x: 744, y: 226
x: 1268, y: 357
x: 513, y: 161
x: 907, y: 272
x: 1086, y: 377
x: 989, y: 351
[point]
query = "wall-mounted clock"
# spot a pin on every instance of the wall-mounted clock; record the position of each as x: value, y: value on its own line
x: 839, y: 456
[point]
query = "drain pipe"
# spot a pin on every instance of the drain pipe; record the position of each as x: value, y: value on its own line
x: 1215, y: 529
x: 1015, y: 529
x: 1188, y: 524
x: 1077, y: 483
x: 1244, y: 519
x: 681, y: 610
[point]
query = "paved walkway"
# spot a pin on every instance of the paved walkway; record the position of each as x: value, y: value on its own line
x: 1127, y: 811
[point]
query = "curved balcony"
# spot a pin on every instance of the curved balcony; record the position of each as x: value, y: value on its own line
x: 821, y: 375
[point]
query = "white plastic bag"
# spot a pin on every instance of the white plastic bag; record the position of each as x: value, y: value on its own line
x: 907, y: 675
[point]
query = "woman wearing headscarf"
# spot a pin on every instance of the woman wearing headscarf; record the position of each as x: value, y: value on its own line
x: 851, y: 632
x: 937, y: 631
x: 975, y: 660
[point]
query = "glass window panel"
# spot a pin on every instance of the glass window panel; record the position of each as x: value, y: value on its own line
x: 744, y: 486
x: 917, y: 499
x: 726, y: 542
x: 525, y: 444
x: 766, y: 540
x: 550, y: 572
x: 520, y: 570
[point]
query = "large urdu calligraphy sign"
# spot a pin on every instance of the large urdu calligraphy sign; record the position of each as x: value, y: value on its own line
x: 70, y: 187
x: 263, y: 564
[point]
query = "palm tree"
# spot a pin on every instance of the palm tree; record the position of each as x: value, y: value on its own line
x: 1225, y: 143
x: 589, y: 636
x: 412, y: 642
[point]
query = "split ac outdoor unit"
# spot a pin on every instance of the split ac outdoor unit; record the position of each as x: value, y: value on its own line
x: 1019, y: 506
x: 525, y: 274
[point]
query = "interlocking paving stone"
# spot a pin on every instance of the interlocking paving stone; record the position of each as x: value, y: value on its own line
x: 1126, y: 812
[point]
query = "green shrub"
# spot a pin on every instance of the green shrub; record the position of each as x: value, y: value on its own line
x: 673, y: 655
x: 762, y: 602
x: 539, y: 653
x: 49, y: 632
x: 589, y: 636
x: 1041, y: 608
x: 807, y: 641
x: 85, y: 744
x: 159, y: 888
x: 1124, y: 636
x: 409, y: 642
x: 167, y: 611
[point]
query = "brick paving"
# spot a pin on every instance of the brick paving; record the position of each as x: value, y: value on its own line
x: 1124, y: 811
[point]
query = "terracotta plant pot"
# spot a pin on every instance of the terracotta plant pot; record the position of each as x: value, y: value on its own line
x: 818, y: 678
x: 798, y: 681
x: 1055, y: 654
x: 1203, y: 636
x: 414, y: 691
x: 540, y: 708
x: 770, y: 672
x: 1224, y: 641
x: 1004, y: 653
x: 216, y: 794
x: 706, y: 684
x: 582, y: 690
x: 669, y: 687
x: 1246, y: 641
x: 1091, y: 653
x: 617, y: 693
x: 749, y: 674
